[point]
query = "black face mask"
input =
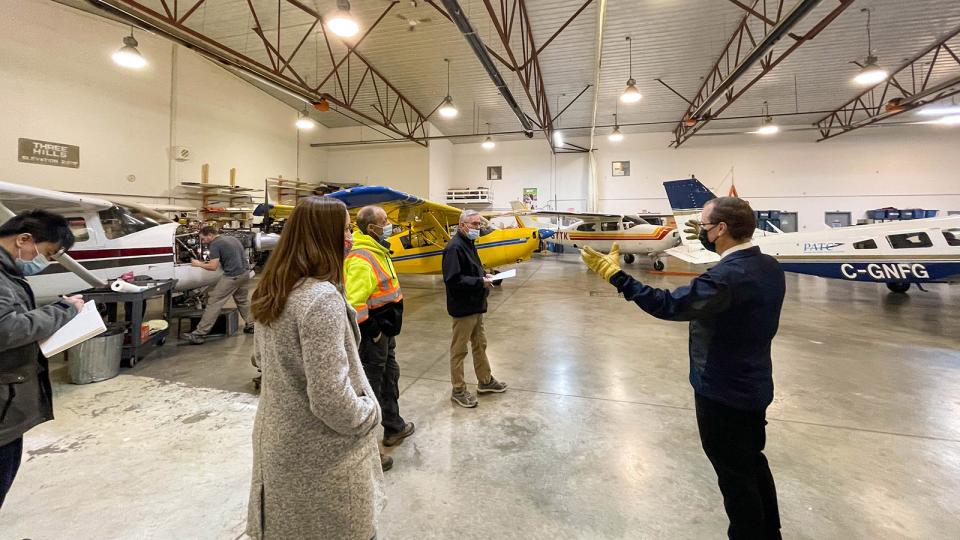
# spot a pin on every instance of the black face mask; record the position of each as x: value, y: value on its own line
x: 705, y: 240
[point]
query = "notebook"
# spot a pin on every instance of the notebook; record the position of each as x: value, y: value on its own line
x: 87, y: 324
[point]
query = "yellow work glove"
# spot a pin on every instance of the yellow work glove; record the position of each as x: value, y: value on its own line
x: 605, y: 265
x: 692, y: 229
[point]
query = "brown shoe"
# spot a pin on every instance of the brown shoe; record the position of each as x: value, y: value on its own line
x: 386, y: 462
x: 393, y: 440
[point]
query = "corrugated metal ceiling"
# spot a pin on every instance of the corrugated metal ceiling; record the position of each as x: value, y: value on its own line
x: 675, y: 40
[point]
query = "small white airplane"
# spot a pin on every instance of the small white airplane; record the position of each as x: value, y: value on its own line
x: 113, y: 239
x: 636, y: 235
x: 898, y: 253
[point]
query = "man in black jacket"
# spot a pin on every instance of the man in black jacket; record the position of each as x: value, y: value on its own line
x: 27, y: 242
x: 734, y: 312
x: 467, y: 287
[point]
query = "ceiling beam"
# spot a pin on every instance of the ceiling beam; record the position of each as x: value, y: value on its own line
x: 723, y: 84
x: 881, y: 102
x: 394, y: 111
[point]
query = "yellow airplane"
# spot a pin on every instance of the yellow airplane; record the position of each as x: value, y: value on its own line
x: 424, y: 228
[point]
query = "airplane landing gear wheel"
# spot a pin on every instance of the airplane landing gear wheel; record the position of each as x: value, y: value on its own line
x: 898, y: 287
x: 658, y: 265
x: 629, y: 258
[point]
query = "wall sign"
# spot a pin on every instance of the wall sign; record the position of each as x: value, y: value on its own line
x: 48, y: 153
x: 620, y: 168
x: 495, y: 173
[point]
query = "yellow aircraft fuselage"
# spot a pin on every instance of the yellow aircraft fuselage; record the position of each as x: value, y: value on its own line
x: 498, y: 248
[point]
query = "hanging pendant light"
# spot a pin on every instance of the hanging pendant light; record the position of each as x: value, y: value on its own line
x: 871, y: 73
x: 342, y: 22
x: 615, y: 136
x: 768, y: 127
x: 631, y: 94
x: 447, y: 109
x: 128, y: 56
x: 488, y: 143
x: 305, y: 122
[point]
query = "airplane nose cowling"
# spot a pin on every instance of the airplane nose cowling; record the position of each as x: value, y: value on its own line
x: 546, y: 233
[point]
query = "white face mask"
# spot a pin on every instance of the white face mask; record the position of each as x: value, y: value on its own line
x: 473, y: 234
x: 387, y: 231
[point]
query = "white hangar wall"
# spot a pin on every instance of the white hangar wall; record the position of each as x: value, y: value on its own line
x: 59, y: 84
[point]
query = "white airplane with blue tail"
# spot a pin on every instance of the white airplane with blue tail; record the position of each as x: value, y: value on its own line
x: 898, y: 253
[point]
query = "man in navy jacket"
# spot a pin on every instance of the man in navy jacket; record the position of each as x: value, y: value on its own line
x: 734, y: 311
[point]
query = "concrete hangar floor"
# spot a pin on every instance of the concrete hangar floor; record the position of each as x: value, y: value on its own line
x: 596, y: 437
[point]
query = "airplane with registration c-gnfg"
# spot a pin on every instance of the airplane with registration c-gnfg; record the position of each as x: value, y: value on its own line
x: 896, y: 253
x: 423, y: 228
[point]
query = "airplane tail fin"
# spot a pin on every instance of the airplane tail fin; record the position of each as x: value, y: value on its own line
x: 689, y: 194
x: 687, y: 198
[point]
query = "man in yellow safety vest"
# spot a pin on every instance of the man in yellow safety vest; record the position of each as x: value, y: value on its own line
x: 373, y: 290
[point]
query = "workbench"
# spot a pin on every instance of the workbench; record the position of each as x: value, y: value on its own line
x: 133, y: 307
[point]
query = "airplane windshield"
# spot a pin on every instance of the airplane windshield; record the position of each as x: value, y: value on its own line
x: 123, y: 219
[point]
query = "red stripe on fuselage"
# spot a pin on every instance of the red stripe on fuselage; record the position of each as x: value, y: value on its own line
x: 88, y: 254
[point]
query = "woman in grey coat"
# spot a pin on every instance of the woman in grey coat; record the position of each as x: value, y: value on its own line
x: 316, y: 464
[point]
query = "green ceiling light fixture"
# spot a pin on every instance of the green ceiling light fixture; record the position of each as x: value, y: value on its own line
x: 447, y: 109
x: 342, y: 22
x: 128, y: 56
x: 631, y: 94
x: 871, y: 73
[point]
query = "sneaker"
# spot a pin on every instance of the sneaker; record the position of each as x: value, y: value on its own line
x: 397, y: 438
x: 492, y: 385
x: 193, y: 338
x: 248, y: 329
x: 386, y: 462
x: 464, y: 398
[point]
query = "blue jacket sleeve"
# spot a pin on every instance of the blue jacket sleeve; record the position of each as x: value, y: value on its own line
x: 453, y: 272
x: 704, y: 297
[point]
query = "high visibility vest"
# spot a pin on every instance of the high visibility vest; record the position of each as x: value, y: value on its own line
x: 388, y: 286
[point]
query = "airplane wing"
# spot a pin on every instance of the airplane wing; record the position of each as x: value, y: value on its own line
x: 19, y: 198
x: 401, y: 208
x: 693, y: 255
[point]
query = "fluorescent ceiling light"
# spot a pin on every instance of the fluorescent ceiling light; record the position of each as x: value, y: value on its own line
x: 128, y: 56
x: 940, y: 110
x: 488, y: 144
x: 557, y: 138
x: 952, y: 120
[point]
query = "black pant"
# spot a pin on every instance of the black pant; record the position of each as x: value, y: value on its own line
x: 380, y: 364
x: 9, y: 463
x: 733, y: 440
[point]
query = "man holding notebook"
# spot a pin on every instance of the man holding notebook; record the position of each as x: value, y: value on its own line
x: 27, y: 242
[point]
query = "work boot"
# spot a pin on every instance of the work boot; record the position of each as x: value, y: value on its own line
x: 464, y: 398
x: 492, y: 385
x: 248, y: 329
x: 397, y: 438
x: 386, y: 462
x: 194, y: 338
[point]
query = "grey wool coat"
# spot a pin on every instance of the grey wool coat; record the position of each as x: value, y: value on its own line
x: 316, y: 464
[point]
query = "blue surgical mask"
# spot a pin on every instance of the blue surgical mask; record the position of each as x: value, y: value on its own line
x: 33, y: 266
x: 473, y: 234
x: 387, y: 231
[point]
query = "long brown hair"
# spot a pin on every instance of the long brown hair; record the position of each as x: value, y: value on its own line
x: 311, y: 246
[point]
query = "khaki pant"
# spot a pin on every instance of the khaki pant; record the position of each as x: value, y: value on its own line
x: 239, y: 288
x: 469, y: 328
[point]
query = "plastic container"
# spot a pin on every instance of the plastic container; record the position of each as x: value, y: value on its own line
x: 96, y: 359
x: 876, y: 214
x: 906, y: 214
x: 892, y: 214
x: 930, y: 213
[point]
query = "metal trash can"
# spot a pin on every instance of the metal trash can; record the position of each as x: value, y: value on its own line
x: 96, y: 359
